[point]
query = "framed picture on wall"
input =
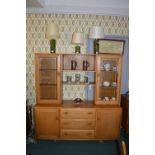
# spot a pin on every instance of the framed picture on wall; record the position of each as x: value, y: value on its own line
x: 111, y: 46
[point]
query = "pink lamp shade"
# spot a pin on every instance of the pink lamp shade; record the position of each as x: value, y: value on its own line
x: 77, y: 38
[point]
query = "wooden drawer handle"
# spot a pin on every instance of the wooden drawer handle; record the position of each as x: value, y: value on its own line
x: 65, y: 134
x: 98, y: 118
x: 89, y: 123
x: 65, y: 113
x: 57, y: 118
x: 89, y: 134
x: 65, y: 123
x: 90, y: 113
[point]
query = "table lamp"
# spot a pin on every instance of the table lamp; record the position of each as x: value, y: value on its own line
x: 52, y: 33
x: 96, y: 33
x: 78, y: 39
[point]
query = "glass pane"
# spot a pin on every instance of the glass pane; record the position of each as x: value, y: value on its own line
x: 48, y: 77
x: 108, y: 79
x: 48, y: 91
x: 48, y: 63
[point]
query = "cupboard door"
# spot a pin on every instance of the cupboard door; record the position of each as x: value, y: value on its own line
x: 48, y: 63
x: 108, y: 123
x: 108, y: 79
x: 46, y: 123
x: 48, y: 92
x: 48, y: 78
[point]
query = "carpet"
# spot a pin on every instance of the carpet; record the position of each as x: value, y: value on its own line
x: 43, y: 147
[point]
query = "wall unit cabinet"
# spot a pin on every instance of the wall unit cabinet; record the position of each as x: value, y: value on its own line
x: 97, y: 115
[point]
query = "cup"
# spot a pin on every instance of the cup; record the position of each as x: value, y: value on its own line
x: 69, y: 79
x: 86, y: 79
x: 114, y: 68
x: 114, y: 84
x: 107, y: 67
x: 106, y: 98
x: 77, y: 78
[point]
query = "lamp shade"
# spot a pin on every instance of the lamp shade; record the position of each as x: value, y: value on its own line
x: 77, y: 38
x: 96, y: 32
x: 52, y: 31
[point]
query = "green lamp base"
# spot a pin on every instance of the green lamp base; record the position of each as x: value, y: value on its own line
x: 52, y: 46
x: 77, y: 49
x: 96, y: 46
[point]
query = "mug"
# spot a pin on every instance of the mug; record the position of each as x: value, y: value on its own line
x: 77, y: 77
x: 114, y: 68
x: 85, y: 64
x: 73, y: 65
x: 86, y: 79
x: 106, y: 98
x: 114, y: 84
x: 69, y: 79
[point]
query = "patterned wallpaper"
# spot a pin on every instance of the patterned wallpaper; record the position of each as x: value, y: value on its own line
x: 67, y: 23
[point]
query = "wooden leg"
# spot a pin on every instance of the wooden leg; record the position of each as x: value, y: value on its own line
x: 124, y: 148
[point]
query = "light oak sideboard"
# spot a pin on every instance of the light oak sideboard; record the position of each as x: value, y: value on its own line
x: 97, y: 117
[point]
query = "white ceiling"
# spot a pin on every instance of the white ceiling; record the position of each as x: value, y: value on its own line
x: 104, y: 7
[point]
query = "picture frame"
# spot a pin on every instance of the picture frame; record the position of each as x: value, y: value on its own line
x: 111, y: 46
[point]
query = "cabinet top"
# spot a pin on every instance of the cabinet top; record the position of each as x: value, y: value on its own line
x: 72, y: 104
x: 85, y: 54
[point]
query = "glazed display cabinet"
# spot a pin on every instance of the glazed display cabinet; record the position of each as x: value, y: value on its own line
x: 94, y: 116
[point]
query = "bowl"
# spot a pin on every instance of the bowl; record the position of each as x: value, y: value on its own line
x: 106, y: 83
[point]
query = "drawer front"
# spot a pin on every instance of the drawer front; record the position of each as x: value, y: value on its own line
x: 78, y: 113
x: 77, y: 134
x: 81, y: 124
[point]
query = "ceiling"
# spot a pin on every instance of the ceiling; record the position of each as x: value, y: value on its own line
x: 103, y: 7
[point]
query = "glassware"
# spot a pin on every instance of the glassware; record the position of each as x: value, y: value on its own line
x: 77, y: 78
x: 69, y: 79
x: 86, y: 79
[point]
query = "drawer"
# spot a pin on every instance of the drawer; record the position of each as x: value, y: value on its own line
x: 77, y: 134
x: 78, y: 113
x: 81, y: 124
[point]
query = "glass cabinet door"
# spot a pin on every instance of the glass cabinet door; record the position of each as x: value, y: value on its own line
x: 48, y: 79
x: 108, y: 79
x: 48, y: 75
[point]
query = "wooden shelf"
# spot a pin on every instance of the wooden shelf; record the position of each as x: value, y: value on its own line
x: 78, y: 70
x: 108, y: 87
x: 54, y: 84
x: 46, y: 69
x: 111, y: 71
x: 80, y: 83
